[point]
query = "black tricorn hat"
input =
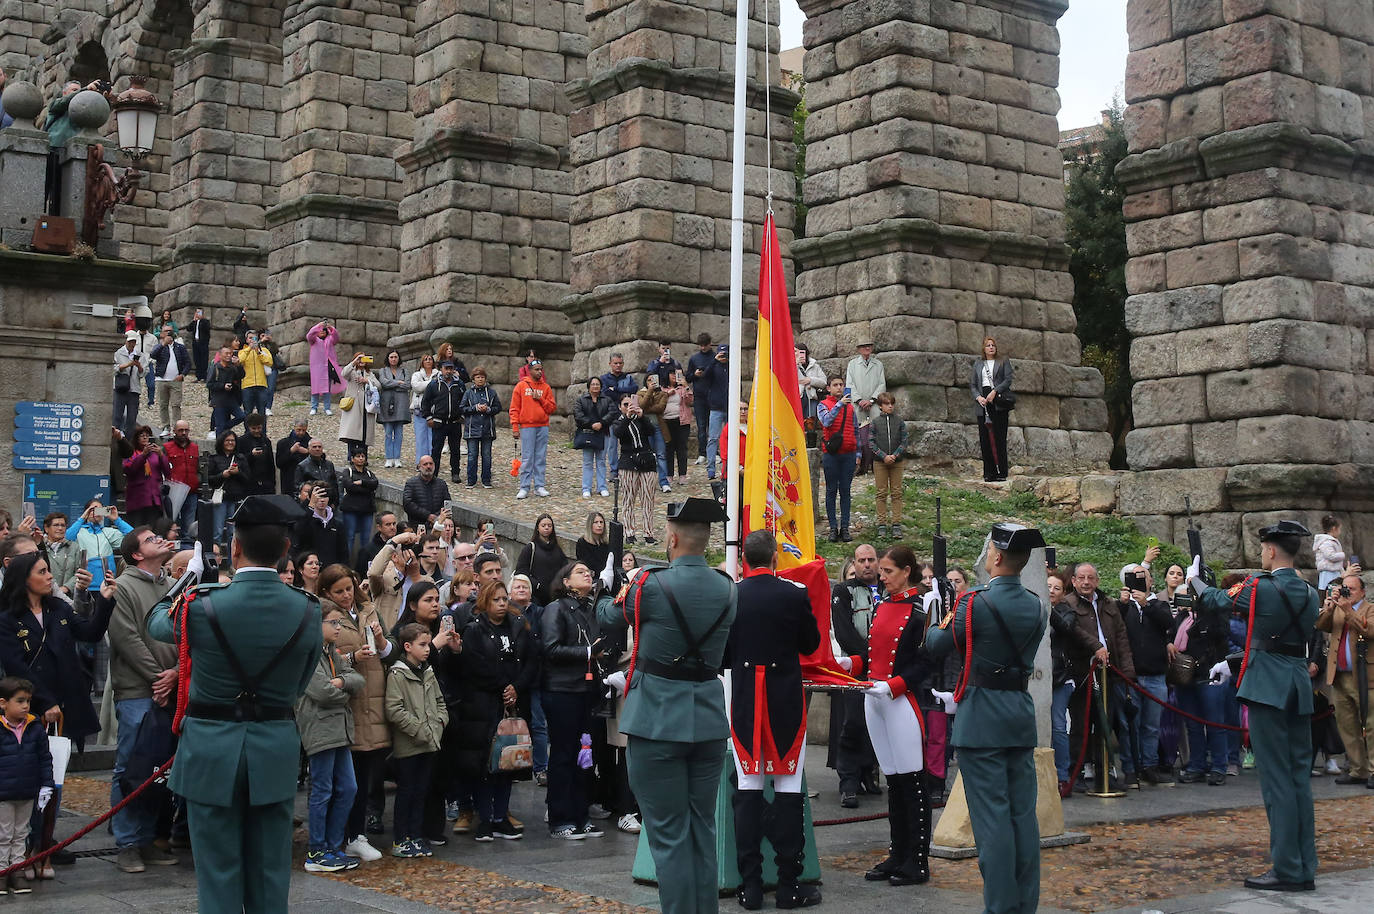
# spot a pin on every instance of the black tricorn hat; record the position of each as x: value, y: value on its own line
x: 696, y: 511
x: 268, y: 510
x: 1281, y: 529
x: 1016, y: 538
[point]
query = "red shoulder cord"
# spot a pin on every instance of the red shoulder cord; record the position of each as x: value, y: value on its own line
x: 634, y: 648
x: 1249, y: 626
x: 968, y: 647
x: 181, y: 612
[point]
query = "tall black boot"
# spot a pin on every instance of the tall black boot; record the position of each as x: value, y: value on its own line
x: 788, y: 836
x: 935, y: 790
x: 749, y: 810
x: 914, y: 865
x: 897, y: 828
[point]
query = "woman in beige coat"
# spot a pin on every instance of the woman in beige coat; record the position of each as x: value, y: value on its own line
x: 364, y: 644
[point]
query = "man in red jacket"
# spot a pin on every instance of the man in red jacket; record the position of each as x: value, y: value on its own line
x: 531, y: 404
x: 184, y: 455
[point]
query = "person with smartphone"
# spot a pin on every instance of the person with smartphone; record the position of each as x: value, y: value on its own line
x: 1149, y: 627
x: 838, y: 453
x: 98, y: 533
x: 128, y: 379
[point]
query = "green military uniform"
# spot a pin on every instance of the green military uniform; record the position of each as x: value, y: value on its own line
x: 1276, y: 688
x: 674, y: 714
x: 238, y: 776
x: 995, y: 729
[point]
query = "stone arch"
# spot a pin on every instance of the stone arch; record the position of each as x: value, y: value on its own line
x: 89, y: 63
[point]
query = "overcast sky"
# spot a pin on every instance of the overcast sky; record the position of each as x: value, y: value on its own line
x: 1092, y: 65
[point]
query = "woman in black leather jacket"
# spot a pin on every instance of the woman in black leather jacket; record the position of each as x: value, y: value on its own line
x: 571, y: 684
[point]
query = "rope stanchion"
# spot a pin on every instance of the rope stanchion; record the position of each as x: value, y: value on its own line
x: 1193, y: 717
x: 94, y: 824
x: 850, y: 820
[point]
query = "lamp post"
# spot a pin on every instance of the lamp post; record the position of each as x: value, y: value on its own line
x: 135, y: 111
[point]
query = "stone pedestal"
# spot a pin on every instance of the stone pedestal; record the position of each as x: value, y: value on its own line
x: 935, y: 194
x: 651, y: 145
x: 1251, y: 277
x: 23, y: 167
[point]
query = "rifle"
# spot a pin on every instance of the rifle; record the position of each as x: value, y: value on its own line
x: 1195, y: 545
x: 940, y: 561
x: 616, y: 530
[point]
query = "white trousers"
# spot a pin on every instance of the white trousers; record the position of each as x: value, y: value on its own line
x: 895, y: 732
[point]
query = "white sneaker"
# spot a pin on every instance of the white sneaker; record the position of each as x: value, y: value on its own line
x: 586, y: 493
x: 542, y: 492
x: 701, y: 461
x: 628, y: 824
x: 360, y: 848
x: 314, y: 410
x: 165, y: 433
x: 269, y: 412
x: 523, y: 493
x: 666, y: 487
x: 329, y: 412
x: 605, y: 493
x: 1332, y: 767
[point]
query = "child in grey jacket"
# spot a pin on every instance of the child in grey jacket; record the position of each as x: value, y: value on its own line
x: 888, y: 440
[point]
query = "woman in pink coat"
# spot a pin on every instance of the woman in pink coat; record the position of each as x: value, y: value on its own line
x: 325, y: 380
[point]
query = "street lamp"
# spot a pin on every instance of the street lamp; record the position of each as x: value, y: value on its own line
x: 136, y: 111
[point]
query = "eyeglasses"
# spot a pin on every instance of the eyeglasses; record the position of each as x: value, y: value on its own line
x: 337, y: 623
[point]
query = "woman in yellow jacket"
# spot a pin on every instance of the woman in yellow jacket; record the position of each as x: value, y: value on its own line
x: 255, y: 361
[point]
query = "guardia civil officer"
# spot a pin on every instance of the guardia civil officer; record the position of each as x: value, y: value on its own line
x: 1281, y: 609
x: 774, y: 628
x: 674, y: 715
x: 253, y: 646
x: 997, y: 628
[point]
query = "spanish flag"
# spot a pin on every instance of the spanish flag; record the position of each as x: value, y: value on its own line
x: 777, y: 478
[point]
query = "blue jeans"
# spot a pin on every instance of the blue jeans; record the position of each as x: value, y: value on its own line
x: 593, y: 469
x: 612, y: 453
x: 1059, y: 729
x: 1148, y: 720
x: 423, y: 436
x: 223, y: 511
x: 839, y: 474
x: 271, y: 387
x: 539, y: 732
x: 657, y: 439
x: 186, y: 518
x: 332, y: 789
x: 1207, y: 702
x: 1230, y: 714
x: 136, y: 824
x: 223, y: 418
x: 357, y: 525
x: 534, y: 451
x: 255, y: 400
x: 482, y: 446
x: 391, y: 444
x: 320, y: 401
x: 717, y: 422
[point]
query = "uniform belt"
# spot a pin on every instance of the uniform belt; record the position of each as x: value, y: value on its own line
x: 1287, y: 650
x: 999, y: 681
x: 245, y: 714
x: 685, y: 671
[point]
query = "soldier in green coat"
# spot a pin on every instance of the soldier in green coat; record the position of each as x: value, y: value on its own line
x: 253, y: 642
x: 998, y: 628
x: 1281, y: 609
x: 674, y: 714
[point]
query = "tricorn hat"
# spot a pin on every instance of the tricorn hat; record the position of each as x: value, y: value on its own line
x: 265, y: 510
x: 696, y: 511
x: 1016, y: 538
x: 1281, y: 529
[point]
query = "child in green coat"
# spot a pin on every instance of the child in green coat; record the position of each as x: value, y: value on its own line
x: 417, y: 714
x: 326, y: 724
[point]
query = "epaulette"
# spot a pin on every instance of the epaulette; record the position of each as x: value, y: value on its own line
x: 641, y: 572
x: 1235, y: 590
x: 797, y: 584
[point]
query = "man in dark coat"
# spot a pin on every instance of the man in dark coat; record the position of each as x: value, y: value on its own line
x: 291, y: 450
x: 424, y: 495
x: 315, y: 468
x: 200, y: 343
x: 1099, y: 619
x: 851, y: 613
x: 257, y: 449
x: 774, y: 628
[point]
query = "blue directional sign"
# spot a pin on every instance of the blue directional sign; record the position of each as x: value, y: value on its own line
x: 47, y: 436
x: 45, y: 494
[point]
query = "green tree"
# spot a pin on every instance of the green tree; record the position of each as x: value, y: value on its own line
x: 798, y: 85
x: 1096, y: 230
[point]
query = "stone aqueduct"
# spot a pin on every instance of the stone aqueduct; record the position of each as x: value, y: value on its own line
x: 516, y: 173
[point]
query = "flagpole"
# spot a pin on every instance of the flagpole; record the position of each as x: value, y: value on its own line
x: 732, y: 455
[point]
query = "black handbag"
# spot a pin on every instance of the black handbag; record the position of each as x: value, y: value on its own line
x: 836, y: 441
x: 122, y: 383
x: 1005, y: 402
x: 585, y: 438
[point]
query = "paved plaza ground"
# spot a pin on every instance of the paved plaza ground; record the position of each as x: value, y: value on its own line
x: 1179, y: 849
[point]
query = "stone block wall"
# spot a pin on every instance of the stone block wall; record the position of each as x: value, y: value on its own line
x: 1251, y: 233
x: 935, y: 202
x: 485, y: 237
x: 651, y: 134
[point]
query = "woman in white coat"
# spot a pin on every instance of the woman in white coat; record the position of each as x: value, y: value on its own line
x: 418, y: 382
x: 358, y: 423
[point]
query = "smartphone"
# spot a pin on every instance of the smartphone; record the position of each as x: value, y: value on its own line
x: 1135, y: 580
x: 446, y: 622
x: 488, y: 527
x: 1354, y: 559
x: 419, y: 529
x: 1051, y: 554
x: 847, y: 392
x: 1152, y: 542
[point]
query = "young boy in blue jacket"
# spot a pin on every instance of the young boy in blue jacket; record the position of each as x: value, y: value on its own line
x: 25, y: 775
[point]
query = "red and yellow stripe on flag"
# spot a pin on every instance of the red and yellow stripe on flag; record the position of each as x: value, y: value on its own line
x: 777, y: 479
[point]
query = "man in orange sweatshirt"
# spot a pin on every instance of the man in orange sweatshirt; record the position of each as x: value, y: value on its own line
x: 531, y: 404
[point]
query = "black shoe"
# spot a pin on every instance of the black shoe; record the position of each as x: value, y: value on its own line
x: 1269, y: 882
x: 834, y: 535
x: 750, y: 896
x: 845, y: 537
x: 650, y: 540
x: 849, y: 800
x: 62, y: 858
x: 374, y: 826
x: 1349, y: 779
x: 1189, y: 776
x: 1164, y: 777
x: 1370, y: 783
x: 1149, y: 777
x: 630, y: 540
x: 908, y: 877
x: 437, y: 842
x: 797, y: 895
x: 1216, y: 778
x: 883, y: 870
x: 1132, y: 781
x: 869, y: 785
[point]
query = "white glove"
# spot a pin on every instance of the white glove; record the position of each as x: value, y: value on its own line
x: 608, y: 573
x: 617, y: 683
x: 44, y: 796
x: 846, y: 663
x: 880, y: 689
x: 197, y: 564
x: 1220, y: 673
x: 946, y: 700
x: 1194, y: 576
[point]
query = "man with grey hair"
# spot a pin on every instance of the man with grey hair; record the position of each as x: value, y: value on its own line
x: 318, y: 470
x: 615, y: 384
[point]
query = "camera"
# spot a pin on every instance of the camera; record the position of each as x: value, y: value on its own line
x: 365, y: 361
x: 1340, y: 590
